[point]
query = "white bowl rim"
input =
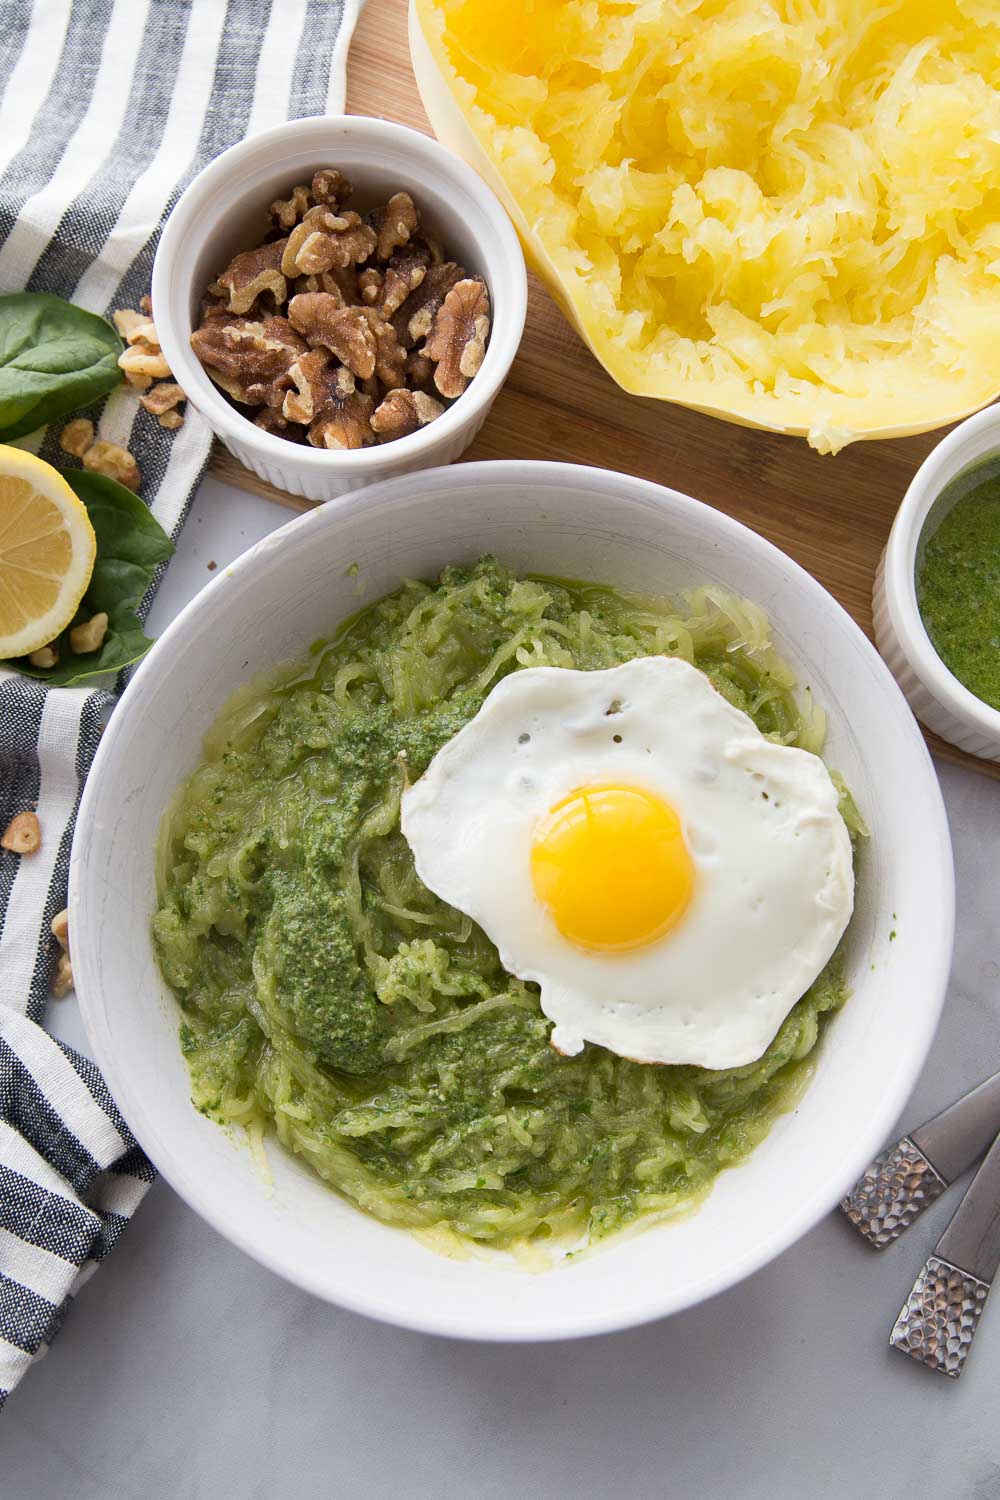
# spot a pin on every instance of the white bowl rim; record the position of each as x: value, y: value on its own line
x: 501, y: 243
x: 936, y: 472
x: 659, y: 1302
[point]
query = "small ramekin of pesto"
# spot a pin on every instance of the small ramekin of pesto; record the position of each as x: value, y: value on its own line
x: 958, y: 579
x: 937, y: 591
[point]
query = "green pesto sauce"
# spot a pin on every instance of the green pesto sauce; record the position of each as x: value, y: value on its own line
x: 958, y: 582
x: 331, y: 999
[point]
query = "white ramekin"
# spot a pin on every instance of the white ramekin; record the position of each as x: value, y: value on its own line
x: 936, y: 696
x: 224, y: 210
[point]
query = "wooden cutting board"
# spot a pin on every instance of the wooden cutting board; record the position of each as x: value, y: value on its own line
x: 831, y: 514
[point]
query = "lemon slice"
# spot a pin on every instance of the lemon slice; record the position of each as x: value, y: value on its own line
x: 47, y: 551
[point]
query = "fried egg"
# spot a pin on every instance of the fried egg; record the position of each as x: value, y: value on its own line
x: 670, y: 878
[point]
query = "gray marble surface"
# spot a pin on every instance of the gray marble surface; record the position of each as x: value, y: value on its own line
x: 188, y: 1371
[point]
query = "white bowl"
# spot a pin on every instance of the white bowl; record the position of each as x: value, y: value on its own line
x: 936, y: 696
x: 224, y: 210
x: 295, y: 586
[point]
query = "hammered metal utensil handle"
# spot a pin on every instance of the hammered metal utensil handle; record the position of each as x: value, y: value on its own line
x: 938, y: 1320
x: 894, y: 1191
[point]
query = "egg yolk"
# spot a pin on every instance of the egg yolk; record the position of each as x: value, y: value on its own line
x: 611, y: 865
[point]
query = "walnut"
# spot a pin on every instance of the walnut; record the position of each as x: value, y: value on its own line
x: 457, y: 340
x: 249, y: 358
x: 171, y: 420
x: 393, y: 224
x: 62, y: 981
x: 146, y: 305
x: 325, y: 240
x: 250, y: 275
x: 433, y: 246
x: 370, y: 285
x: 345, y: 331
x: 247, y: 395
x: 331, y: 187
x: 59, y: 927
x: 126, y: 319
x: 346, y: 424
x: 45, y: 656
x: 162, y: 398
x: 287, y: 212
x: 143, y: 364
x: 143, y: 361
x: 418, y: 372
x: 77, y: 436
x: 143, y: 333
x: 23, y: 834
x: 390, y: 356
x: 404, y: 273
x: 413, y: 320
x: 270, y: 419
x: 326, y: 282
x: 403, y: 412
x: 315, y: 377
x: 113, y: 462
x: 214, y: 307
x: 88, y: 636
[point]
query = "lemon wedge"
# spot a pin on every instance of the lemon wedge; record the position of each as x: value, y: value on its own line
x: 47, y: 551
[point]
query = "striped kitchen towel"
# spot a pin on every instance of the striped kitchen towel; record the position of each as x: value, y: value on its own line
x: 108, y: 109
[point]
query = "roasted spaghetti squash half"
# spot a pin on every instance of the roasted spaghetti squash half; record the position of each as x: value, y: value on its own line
x: 784, y: 212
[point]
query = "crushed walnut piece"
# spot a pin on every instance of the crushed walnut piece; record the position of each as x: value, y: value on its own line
x: 249, y: 358
x: 414, y: 319
x: 59, y: 927
x: 403, y: 412
x: 23, y: 834
x: 347, y: 427
x: 126, y: 320
x: 287, y: 212
x: 62, y: 981
x: 77, y: 436
x: 89, y: 635
x: 393, y: 224
x: 252, y: 275
x: 162, y: 398
x: 370, y: 285
x: 403, y: 274
x: 342, y: 329
x: 325, y: 241
x: 114, y: 462
x: 330, y: 187
x: 45, y: 656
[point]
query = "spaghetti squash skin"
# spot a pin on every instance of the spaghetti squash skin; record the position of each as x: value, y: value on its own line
x: 784, y: 213
x: 330, y: 999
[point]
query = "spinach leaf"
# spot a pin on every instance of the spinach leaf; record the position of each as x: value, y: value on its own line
x: 54, y: 357
x: 130, y: 546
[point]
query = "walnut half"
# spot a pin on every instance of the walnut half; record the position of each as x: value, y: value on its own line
x: 457, y: 340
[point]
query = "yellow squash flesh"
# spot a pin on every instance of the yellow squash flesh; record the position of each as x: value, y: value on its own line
x: 785, y: 213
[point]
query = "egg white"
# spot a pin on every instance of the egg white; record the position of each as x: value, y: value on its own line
x: 774, y: 887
